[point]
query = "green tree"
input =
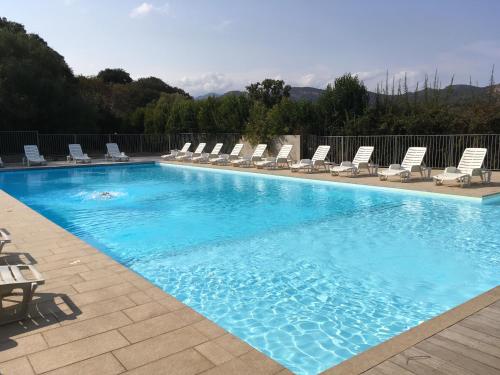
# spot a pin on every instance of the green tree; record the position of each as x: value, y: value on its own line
x: 114, y: 76
x: 37, y: 88
x: 233, y: 112
x: 258, y: 129
x: 269, y: 92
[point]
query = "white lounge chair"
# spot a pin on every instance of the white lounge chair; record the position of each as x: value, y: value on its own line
x: 227, y: 158
x: 281, y: 159
x: 412, y: 162
x: 11, y: 280
x: 174, y: 153
x: 361, y: 160
x: 76, y: 154
x: 470, y: 165
x: 247, y: 161
x: 205, y: 157
x: 1, y: 163
x: 318, y: 160
x: 114, y: 153
x: 4, y: 238
x: 32, y: 156
x: 190, y: 155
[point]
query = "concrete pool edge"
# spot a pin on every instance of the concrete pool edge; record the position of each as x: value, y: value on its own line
x: 306, y: 178
x: 374, y: 356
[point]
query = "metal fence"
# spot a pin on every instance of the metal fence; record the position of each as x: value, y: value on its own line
x: 56, y: 145
x: 442, y: 150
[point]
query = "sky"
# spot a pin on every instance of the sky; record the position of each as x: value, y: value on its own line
x: 207, y: 46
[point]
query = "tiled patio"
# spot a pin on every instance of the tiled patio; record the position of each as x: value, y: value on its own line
x: 94, y: 315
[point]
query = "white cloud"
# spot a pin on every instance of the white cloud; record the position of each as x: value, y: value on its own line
x: 147, y: 8
x: 206, y: 83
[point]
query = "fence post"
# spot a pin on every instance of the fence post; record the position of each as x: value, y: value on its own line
x: 37, y: 139
x: 142, y: 140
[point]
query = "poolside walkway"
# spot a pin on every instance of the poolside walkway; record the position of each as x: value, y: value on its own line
x: 95, y: 316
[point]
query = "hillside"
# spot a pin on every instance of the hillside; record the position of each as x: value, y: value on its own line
x: 454, y: 94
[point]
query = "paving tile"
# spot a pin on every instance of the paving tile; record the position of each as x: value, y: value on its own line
x: 233, y: 345
x: 101, y: 283
x: 96, y: 274
x: 209, y: 328
x: 159, y: 347
x: 214, y: 352
x: 146, y: 311
x: 152, y: 327
x: 64, y: 355
x: 19, y: 366
x: 99, y: 308
x: 170, y: 302
x: 188, y: 315
x: 261, y: 363
x: 140, y: 297
x: 105, y: 364
x: 103, y: 294
x: 86, y: 328
x: 232, y: 367
x: 188, y: 362
x: 10, y: 349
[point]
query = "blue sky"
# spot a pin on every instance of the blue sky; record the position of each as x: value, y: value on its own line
x: 219, y: 45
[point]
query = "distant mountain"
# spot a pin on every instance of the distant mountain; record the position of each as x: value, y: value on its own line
x: 206, y: 96
x: 454, y: 94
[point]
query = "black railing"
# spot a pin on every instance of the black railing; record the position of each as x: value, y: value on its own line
x: 442, y: 150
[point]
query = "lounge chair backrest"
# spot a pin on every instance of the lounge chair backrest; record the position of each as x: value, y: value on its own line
x: 31, y: 152
x: 363, y: 155
x: 200, y: 148
x: 321, y: 153
x: 113, y: 149
x: 284, y: 152
x: 259, y: 151
x: 186, y: 146
x: 237, y: 149
x: 472, y: 158
x: 216, y: 149
x: 414, y: 156
x: 75, y: 150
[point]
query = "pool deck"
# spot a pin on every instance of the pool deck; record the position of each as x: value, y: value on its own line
x: 94, y: 315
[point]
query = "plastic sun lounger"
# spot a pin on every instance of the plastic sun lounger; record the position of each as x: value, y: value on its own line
x: 76, y: 154
x: 470, y: 165
x: 274, y: 162
x: 114, y: 153
x: 247, y: 161
x: 226, y: 158
x: 317, y: 160
x: 205, y: 157
x: 188, y: 156
x: 174, y: 153
x: 412, y: 162
x: 4, y: 238
x: 12, y: 279
x: 361, y: 160
x: 32, y: 156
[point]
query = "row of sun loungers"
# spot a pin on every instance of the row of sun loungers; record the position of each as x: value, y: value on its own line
x: 32, y: 155
x: 470, y: 164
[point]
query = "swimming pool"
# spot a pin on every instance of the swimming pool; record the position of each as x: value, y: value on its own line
x: 309, y: 273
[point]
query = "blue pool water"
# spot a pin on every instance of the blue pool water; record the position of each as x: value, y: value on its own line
x: 308, y: 273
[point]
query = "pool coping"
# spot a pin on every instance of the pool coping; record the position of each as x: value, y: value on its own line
x: 377, y: 354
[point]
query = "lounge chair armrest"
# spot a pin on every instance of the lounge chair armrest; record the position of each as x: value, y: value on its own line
x: 346, y: 164
x: 305, y: 161
x: 395, y: 166
x: 4, y: 236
